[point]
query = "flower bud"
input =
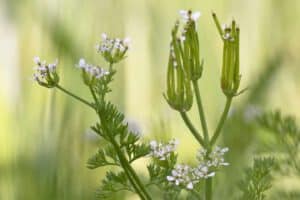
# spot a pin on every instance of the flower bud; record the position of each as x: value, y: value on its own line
x: 179, y: 92
x: 230, y: 77
x: 45, y: 73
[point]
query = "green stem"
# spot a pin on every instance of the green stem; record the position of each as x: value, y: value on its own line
x: 74, y: 96
x: 208, y: 189
x: 201, y: 112
x: 131, y: 173
x: 191, y: 127
x: 221, y: 122
x: 94, y: 95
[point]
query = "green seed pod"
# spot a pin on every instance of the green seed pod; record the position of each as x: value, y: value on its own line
x: 191, y: 51
x: 230, y: 77
x: 179, y: 93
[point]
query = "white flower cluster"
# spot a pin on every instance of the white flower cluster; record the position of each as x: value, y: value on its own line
x: 160, y: 150
x: 94, y: 71
x: 189, y: 15
x: 184, y: 175
x: 43, y: 69
x: 215, y: 158
x: 111, y: 44
x: 181, y: 175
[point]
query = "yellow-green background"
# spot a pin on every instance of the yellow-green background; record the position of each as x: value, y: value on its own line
x: 44, y: 136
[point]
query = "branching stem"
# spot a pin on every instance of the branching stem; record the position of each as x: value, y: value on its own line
x: 74, y: 96
x: 221, y: 121
x: 201, y: 113
x: 191, y: 127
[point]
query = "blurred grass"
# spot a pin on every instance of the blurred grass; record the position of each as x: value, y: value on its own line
x: 44, y: 136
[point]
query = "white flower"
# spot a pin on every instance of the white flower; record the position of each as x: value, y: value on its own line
x: 217, y: 157
x: 52, y: 66
x: 202, y: 171
x: 181, y: 176
x: 104, y: 36
x: 226, y: 36
x: 42, y: 69
x: 195, y: 16
x: 184, y: 14
x: 36, y: 60
x: 112, y: 44
x: 170, y: 178
x: 182, y: 38
x: 95, y: 71
x: 190, y: 186
x: 160, y: 150
x: 81, y: 63
x: 127, y: 42
x: 189, y: 15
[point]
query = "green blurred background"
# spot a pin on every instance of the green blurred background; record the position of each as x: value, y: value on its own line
x: 45, y: 139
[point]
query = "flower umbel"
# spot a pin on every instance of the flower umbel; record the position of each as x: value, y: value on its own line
x: 113, y: 49
x: 187, y: 176
x: 93, y: 70
x: 162, y: 151
x: 213, y: 159
x: 45, y: 73
x: 181, y: 176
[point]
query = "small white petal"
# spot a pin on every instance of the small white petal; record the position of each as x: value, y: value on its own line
x: 182, y: 38
x: 195, y: 16
x: 170, y: 178
x: 36, y: 60
x: 153, y: 144
x: 127, y: 41
x: 211, y: 174
x: 104, y: 36
x: 190, y: 186
x: 183, y: 12
x: 81, y: 63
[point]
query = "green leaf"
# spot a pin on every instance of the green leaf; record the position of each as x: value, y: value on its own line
x: 104, y: 157
x: 257, y: 179
x: 114, y: 182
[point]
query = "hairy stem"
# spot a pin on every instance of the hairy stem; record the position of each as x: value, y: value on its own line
x: 74, y: 96
x: 201, y: 112
x: 221, y: 122
x: 191, y: 127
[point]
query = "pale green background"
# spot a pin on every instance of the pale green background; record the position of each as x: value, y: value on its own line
x: 44, y: 136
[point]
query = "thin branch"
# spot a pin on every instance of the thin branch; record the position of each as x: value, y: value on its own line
x: 191, y: 127
x: 222, y: 121
x: 74, y: 96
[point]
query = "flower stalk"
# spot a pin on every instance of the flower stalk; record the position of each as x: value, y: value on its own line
x: 186, y: 55
x: 123, y: 146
